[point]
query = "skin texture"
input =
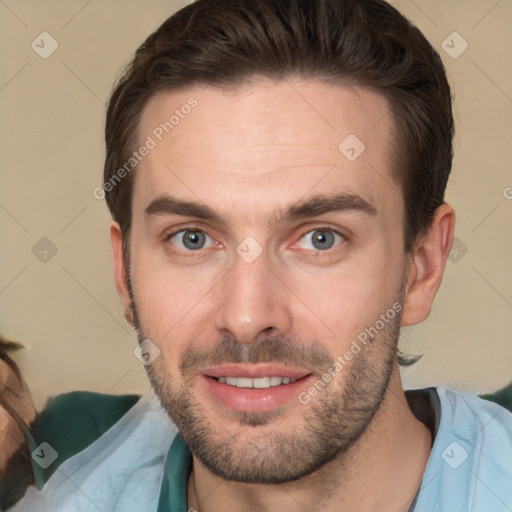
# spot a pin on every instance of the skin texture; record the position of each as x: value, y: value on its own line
x: 248, y: 153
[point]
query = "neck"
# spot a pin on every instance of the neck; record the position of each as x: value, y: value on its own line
x: 382, y: 471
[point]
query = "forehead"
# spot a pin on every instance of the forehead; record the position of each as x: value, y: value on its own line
x: 266, y: 143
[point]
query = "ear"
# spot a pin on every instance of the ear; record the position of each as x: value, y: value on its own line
x: 426, y: 266
x: 116, y: 242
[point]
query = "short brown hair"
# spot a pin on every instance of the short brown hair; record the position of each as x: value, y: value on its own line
x: 228, y: 42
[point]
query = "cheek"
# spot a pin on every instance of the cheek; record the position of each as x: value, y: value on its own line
x: 348, y: 298
x: 170, y: 300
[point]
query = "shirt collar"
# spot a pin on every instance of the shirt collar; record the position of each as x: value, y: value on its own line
x: 178, y: 465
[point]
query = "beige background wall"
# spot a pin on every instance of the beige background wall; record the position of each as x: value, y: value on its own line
x: 65, y: 309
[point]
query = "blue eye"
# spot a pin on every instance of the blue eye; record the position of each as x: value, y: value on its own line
x: 322, y: 239
x: 190, y: 240
x: 193, y: 240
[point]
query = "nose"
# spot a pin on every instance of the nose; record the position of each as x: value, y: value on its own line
x: 254, y: 302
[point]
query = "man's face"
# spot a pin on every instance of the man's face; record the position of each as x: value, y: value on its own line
x: 259, y: 291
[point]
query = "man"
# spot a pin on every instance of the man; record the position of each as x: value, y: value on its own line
x: 276, y: 173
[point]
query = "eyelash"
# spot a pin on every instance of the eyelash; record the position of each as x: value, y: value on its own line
x: 197, y: 230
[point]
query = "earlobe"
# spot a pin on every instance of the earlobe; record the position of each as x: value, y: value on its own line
x: 116, y: 242
x: 426, y: 266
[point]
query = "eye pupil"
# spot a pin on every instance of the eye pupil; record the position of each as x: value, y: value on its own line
x: 193, y: 240
x: 323, y: 239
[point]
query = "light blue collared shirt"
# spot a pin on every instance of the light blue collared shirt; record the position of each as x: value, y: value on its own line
x: 141, y: 463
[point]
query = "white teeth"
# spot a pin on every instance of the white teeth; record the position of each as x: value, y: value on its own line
x: 243, y: 382
x: 261, y: 382
x: 275, y: 381
x: 257, y: 383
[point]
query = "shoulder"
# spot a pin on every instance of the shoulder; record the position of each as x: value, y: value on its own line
x: 484, y: 427
x: 72, y: 421
x: 123, y: 463
x: 470, y: 466
x: 473, y: 416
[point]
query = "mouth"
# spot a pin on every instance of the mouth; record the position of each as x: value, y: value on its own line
x: 254, y: 387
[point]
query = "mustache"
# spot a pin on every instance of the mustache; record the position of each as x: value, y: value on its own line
x: 273, y: 349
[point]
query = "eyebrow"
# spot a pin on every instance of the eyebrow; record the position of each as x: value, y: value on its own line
x: 311, y: 207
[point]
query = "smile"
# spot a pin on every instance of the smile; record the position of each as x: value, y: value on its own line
x: 257, y: 383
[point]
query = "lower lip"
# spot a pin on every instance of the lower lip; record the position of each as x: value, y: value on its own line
x: 255, y: 400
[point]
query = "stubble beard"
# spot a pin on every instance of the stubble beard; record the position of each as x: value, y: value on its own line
x: 253, y: 451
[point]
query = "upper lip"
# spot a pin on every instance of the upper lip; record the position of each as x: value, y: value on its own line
x: 253, y: 371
